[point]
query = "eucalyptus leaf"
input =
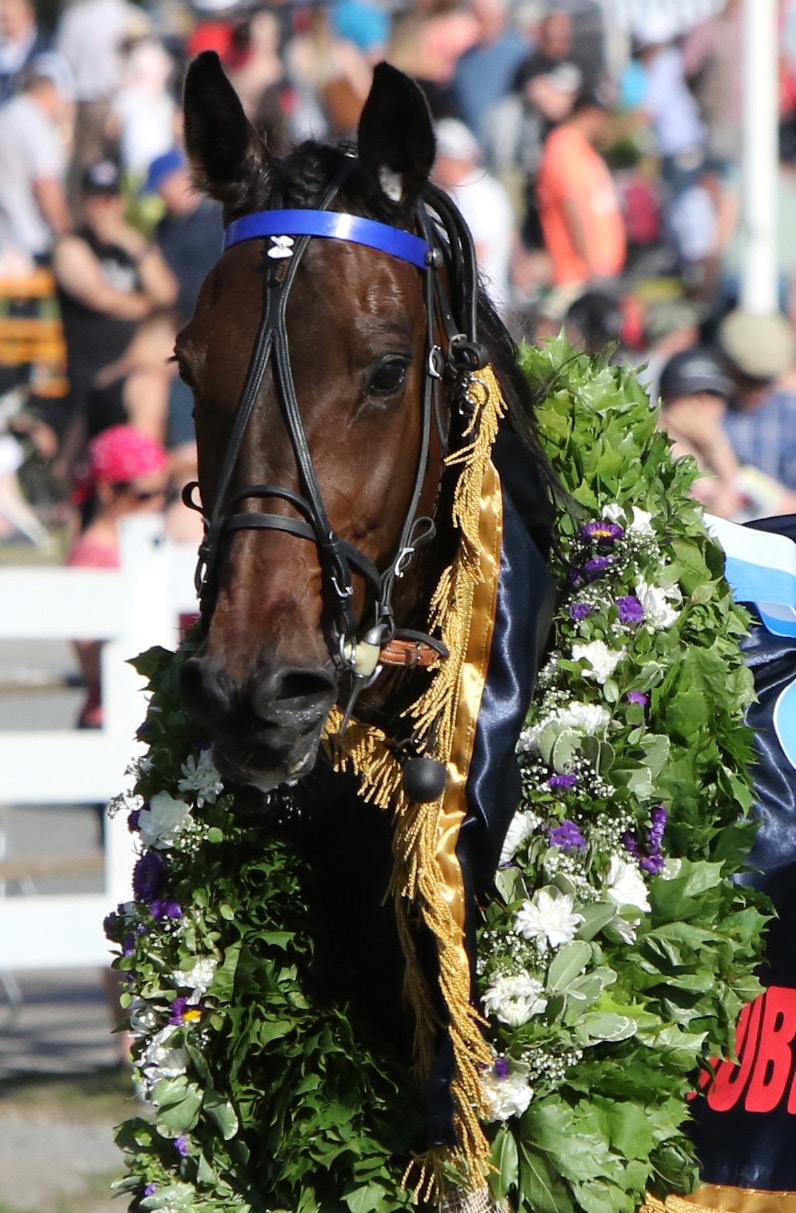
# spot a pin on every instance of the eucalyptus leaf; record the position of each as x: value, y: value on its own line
x: 569, y: 962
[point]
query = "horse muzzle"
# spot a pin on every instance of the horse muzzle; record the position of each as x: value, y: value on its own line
x: 265, y: 730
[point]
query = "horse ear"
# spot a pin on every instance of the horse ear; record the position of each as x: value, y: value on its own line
x: 229, y: 159
x: 396, y: 134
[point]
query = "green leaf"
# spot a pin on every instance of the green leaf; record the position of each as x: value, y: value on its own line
x: 505, y: 1161
x: 597, y: 1025
x: 569, y: 962
x: 221, y: 1112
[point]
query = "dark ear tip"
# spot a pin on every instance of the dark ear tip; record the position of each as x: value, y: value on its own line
x: 203, y: 69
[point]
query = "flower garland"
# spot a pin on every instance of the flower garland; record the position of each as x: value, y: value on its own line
x: 613, y: 959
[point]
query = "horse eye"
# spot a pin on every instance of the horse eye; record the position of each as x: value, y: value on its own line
x: 388, y: 377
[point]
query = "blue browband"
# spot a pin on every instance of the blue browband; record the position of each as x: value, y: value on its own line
x: 331, y: 224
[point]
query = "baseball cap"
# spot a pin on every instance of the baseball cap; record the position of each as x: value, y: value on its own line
x: 161, y: 168
x: 456, y: 141
x: 101, y: 178
x: 759, y: 346
x: 692, y: 371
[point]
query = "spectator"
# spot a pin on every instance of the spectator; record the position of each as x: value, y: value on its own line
x: 594, y: 322
x: 581, y: 217
x: 515, y: 128
x: 108, y: 280
x: 143, y: 113
x: 674, y: 115
x: 21, y: 41
x: 33, y: 206
x: 189, y: 236
x: 482, y: 201
x: 126, y: 475
x: 91, y: 37
x: 695, y: 393
x: 761, y: 424
x: 190, y: 232
x: 485, y: 73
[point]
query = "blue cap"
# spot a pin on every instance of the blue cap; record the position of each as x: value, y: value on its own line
x: 161, y: 168
x: 367, y: 27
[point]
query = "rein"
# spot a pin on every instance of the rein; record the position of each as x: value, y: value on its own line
x: 445, y: 242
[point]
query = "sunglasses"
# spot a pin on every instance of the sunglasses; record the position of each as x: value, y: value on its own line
x: 140, y: 495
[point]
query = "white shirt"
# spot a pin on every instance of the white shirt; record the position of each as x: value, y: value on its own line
x: 30, y: 150
x: 671, y: 105
x: 89, y: 37
x: 487, y: 211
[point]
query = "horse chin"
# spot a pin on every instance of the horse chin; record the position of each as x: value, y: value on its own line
x: 270, y: 775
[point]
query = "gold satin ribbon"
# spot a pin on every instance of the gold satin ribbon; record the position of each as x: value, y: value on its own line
x: 471, y: 689
x: 720, y: 1199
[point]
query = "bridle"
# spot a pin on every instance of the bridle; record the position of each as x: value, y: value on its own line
x: 446, y: 244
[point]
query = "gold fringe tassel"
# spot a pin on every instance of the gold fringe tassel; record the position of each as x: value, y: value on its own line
x: 419, y: 884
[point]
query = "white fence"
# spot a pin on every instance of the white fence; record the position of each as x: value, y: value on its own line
x: 131, y: 609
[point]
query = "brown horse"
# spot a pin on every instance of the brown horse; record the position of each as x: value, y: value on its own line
x: 331, y: 377
x: 356, y: 327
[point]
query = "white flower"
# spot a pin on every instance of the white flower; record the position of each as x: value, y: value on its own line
x: 161, y: 823
x: 199, y: 978
x: 585, y: 717
x: 161, y: 1061
x: 506, y: 1094
x: 142, y: 1017
x: 658, y: 612
x: 626, y: 885
x: 641, y: 523
x: 201, y: 777
x: 602, y: 659
x: 522, y: 825
x: 549, y: 918
x: 515, y: 1000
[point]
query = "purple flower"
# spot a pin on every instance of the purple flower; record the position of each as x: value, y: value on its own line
x: 501, y: 1068
x: 630, y: 609
x: 128, y: 944
x: 638, y: 697
x: 134, y: 820
x: 580, y: 610
x: 650, y: 858
x: 562, y: 783
x: 567, y: 837
x: 150, y: 1189
x: 602, y: 531
x: 178, y: 1011
x: 166, y: 909
x: 149, y: 877
x: 181, y: 1145
x: 597, y: 566
x: 630, y: 843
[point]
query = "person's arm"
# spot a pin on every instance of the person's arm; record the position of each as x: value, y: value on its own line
x: 79, y: 275
x: 577, y: 228
x: 157, y: 278
x: 51, y: 201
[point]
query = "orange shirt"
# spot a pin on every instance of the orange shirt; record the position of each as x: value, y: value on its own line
x: 572, y: 170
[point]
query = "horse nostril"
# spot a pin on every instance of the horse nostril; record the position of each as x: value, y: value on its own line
x: 294, y: 697
x: 204, y: 688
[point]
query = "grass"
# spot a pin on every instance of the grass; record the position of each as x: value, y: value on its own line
x: 105, y: 1096
x: 95, y: 1197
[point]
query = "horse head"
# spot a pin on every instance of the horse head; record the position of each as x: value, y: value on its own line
x: 318, y: 462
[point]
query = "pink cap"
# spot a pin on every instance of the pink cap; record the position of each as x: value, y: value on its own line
x: 123, y: 453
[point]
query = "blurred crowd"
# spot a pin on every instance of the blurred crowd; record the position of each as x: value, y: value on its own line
x: 592, y: 145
